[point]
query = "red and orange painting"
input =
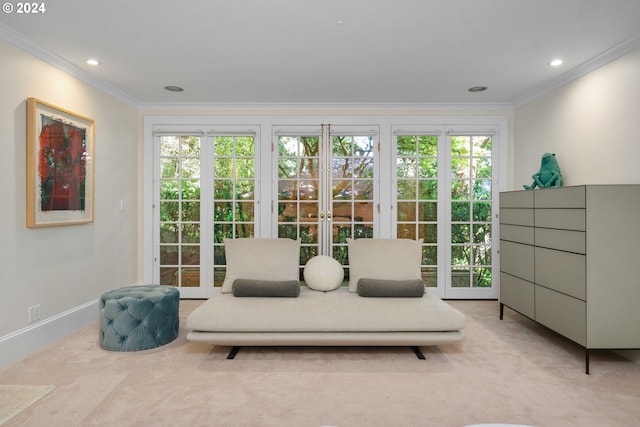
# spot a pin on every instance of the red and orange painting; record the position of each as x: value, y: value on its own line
x: 61, y: 165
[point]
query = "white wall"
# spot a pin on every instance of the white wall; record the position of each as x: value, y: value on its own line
x: 61, y: 268
x: 592, y: 124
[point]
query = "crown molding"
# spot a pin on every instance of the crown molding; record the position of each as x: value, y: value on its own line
x: 593, y: 64
x: 320, y: 106
x: 18, y: 40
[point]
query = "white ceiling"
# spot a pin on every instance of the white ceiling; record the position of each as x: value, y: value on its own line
x: 328, y: 51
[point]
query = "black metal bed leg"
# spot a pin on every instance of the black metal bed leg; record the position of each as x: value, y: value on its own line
x: 501, y: 311
x: 418, y: 353
x: 586, y: 360
x: 233, y: 352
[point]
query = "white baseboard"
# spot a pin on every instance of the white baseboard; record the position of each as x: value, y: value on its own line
x: 23, y: 342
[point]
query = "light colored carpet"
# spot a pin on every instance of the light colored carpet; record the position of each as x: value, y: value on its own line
x: 510, y: 371
x: 16, y: 398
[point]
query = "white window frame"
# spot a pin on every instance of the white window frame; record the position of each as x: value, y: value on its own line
x: 477, y: 292
x: 264, y: 125
x: 207, y: 133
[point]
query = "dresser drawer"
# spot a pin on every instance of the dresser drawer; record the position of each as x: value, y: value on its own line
x: 564, y: 240
x: 517, y: 294
x: 516, y: 233
x: 564, y: 219
x: 562, y: 271
x: 516, y: 199
x: 516, y: 259
x: 562, y: 313
x: 562, y: 197
x: 515, y: 216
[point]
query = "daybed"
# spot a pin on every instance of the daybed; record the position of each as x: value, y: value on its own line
x: 324, y: 313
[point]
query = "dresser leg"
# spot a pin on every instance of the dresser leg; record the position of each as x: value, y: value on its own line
x: 586, y: 360
x: 501, y: 310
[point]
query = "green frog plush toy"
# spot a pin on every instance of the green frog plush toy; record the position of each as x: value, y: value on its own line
x: 549, y: 174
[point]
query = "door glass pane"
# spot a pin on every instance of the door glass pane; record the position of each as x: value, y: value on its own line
x: 417, y: 197
x: 233, y: 195
x: 325, y: 191
x: 352, y: 192
x: 471, y: 209
x: 179, y: 205
x: 299, y: 192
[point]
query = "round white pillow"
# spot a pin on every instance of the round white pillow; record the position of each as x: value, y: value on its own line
x: 323, y: 273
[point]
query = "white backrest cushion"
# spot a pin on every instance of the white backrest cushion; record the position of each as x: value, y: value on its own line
x: 389, y: 259
x: 260, y: 259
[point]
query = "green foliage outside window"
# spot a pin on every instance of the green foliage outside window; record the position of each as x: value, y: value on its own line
x: 471, y: 194
x: 180, y: 194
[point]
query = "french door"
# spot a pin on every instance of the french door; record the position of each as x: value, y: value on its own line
x: 326, y: 187
x: 443, y: 185
x: 323, y: 184
x: 205, y: 190
x: 470, y: 215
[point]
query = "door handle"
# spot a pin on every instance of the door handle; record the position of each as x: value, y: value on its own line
x: 328, y: 215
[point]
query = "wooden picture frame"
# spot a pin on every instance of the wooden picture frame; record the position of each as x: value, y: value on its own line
x: 60, y: 165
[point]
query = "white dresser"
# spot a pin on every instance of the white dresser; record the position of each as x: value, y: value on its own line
x: 570, y: 260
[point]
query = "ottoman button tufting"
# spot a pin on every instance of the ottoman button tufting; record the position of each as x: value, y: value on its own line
x: 139, y: 317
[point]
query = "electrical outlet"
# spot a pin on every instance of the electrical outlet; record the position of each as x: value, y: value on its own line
x: 34, y: 313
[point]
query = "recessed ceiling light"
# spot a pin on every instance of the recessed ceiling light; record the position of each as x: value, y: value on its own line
x: 92, y: 61
x: 477, y: 89
x: 173, y: 88
x: 556, y: 62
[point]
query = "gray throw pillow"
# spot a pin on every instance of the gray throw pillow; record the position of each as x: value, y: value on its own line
x: 413, y: 288
x: 265, y: 288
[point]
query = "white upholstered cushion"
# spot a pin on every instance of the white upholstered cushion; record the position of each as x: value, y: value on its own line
x: 389, y: 259
x: 260, y: 259
x: 323, y: 273
x: 323, y: 312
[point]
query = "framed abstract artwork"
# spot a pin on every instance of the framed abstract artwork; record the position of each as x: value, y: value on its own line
x: 59, y: 166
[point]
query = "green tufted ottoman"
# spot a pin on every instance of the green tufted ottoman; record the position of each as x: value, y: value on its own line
x: 139, y: 317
